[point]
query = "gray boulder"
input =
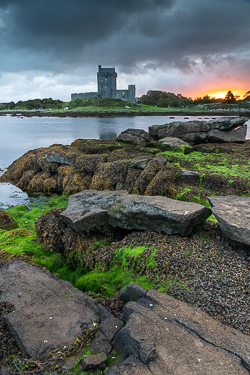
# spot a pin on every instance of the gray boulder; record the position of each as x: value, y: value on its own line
x: 93, y: 210
x: 190, y: 177
x: 227, y: 123
x: 165, y: 336
x: 157, y: 213
x: 175, y: 144
x: 235, y: 135
x: 198, y: 131
x: 233, y: 213
x: 138, y: 137
x: 139, y: 163
x: 54, y: 157
x: 88, y: 210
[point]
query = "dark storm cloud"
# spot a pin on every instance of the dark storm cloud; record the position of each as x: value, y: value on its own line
x: 62, y: 34
x: 162, y: 30
x: 59, y: 43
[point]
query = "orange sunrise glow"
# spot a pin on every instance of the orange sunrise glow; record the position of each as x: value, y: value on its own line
x: 222, y: 94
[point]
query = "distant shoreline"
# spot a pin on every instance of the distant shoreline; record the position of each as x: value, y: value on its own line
x: 121, y: 113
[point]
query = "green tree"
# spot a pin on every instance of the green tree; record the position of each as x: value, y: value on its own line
x: 11, y: 105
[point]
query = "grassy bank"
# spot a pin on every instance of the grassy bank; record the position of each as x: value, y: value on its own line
x: 118, y: 107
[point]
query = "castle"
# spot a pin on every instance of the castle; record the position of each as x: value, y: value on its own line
x: 106, y: 84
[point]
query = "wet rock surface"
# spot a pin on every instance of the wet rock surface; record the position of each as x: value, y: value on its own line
x: 91, y: 210
x: 195, y: 132
x: 171, y: 337
x: 233, y: 215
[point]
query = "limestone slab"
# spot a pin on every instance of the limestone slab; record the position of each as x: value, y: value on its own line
x: 171, y: 337
x: 49, y: 312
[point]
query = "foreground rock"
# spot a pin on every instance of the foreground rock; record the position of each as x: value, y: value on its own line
x: 219, y: 130
x: 91, y: 210
x: 232, y: 213
x: 49, y: 313
x: 166, y: 336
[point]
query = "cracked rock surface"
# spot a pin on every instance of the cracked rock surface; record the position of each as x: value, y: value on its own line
x: 171, y: 337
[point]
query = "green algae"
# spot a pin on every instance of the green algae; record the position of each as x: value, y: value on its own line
x: 119, y: 274
x: 22, y: 241
x: 214, y: 163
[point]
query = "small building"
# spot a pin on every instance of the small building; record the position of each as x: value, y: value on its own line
x: 106, y: 85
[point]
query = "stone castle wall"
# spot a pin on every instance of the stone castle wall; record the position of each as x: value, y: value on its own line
x: 84, y: 95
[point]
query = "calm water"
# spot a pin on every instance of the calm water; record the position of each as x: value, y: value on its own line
x: 21, y: 134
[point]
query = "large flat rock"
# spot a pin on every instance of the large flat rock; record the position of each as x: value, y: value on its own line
x: 91, y: 209
x: 233, y: 215
x: 171, y: 337
x: 49, y: 313
x: 157, y: 213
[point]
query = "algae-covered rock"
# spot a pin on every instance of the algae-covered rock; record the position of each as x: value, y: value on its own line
x: 175, y: 144
x: 6, y: 221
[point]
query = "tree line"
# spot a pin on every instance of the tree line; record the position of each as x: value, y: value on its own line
x: 33, y: 104
x: 155, y: 98
x: 168, y: 99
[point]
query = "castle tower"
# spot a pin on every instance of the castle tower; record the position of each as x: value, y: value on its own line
x: 131, y: 93
x: 106, y: 82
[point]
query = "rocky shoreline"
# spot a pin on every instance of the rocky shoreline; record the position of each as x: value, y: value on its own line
x: 123, y: 113
x: 203, y: 269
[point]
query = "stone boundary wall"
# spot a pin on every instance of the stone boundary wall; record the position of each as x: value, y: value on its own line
x: 85, y: 95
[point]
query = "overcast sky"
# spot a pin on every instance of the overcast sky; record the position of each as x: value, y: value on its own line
x: 51, y: 48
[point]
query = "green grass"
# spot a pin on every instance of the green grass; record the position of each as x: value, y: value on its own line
x: 108, y: 104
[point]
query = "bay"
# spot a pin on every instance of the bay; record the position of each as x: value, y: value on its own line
x: 21, y: 134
